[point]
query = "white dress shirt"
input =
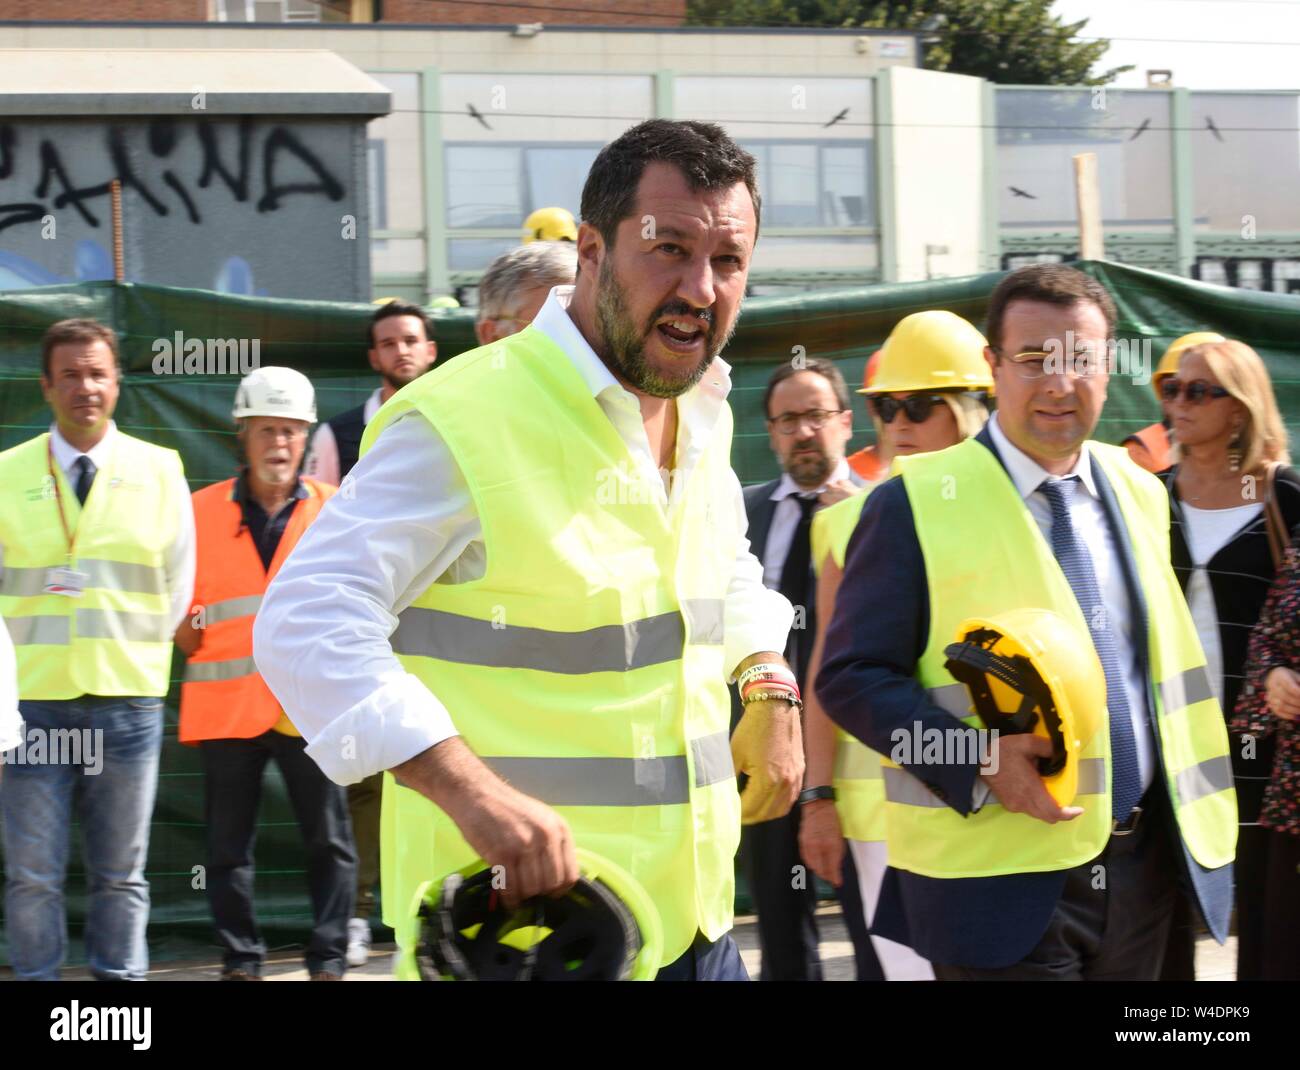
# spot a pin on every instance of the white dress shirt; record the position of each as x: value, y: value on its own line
x: 322, y: 461
x: 11, y: 722
x: 179, y: 560
x: 321, y: 639
x: 1089, y: 518
x: 785, y: 519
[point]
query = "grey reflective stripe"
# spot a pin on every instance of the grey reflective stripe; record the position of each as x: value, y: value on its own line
x: 106, y: 575
x: 904, y: 788
x: 122, y: 627
x: 1185, y: 689
x: 705, y: 616
x: 202, y: 672
x: 22, y: 582
x: 713, y: 762
x: 598, y: 781
x: 231, y: 608
x: 123, y: 576
x: 470, y: 641
x: 856, y: 761
x: 954, y: 698
x: 1205, y: 778
x: 28, y: 631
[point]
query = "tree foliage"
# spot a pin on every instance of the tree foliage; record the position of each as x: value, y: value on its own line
x: 1012, y: 42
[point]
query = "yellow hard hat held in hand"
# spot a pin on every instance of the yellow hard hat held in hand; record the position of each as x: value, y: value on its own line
x: 1031, y: 670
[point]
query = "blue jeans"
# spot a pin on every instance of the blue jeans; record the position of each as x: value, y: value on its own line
x: 111, y: 785
x: 704, y: 961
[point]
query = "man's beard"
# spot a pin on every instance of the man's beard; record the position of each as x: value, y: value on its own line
x: 810, y: 470
x: 623, y: 348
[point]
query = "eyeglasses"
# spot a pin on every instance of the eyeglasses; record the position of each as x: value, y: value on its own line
x: 916, y: 406
x: 788, y: 423
x: 1033, y: 364
x: 1197, y: 391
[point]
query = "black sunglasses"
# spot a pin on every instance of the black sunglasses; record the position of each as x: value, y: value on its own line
x: 917, y: 406
x: 1197, y: 391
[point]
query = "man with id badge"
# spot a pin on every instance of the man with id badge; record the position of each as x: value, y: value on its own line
x: 96, y: 572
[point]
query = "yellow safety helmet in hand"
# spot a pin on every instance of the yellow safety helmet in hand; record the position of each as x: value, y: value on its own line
x: 550, y: 224
x: 1169, y: 362
x: 1031, y: 670
x: 933, y: 350
x: 605, y: 928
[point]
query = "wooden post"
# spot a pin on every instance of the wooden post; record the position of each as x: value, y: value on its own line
x: 119, y: 259
x: 1088, y: 197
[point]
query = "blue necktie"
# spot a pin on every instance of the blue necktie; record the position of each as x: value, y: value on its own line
x: 1076, y: 563
x: 85, y: 468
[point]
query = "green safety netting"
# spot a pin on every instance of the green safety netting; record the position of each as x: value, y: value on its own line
x: 327, y: 341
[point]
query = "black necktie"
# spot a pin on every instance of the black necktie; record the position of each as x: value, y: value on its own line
x: 796, y: 575
x: 85, y: 469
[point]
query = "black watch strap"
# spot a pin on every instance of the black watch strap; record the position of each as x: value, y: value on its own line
x: 825, y: 791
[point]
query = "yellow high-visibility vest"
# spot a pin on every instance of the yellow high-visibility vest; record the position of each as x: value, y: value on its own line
x: 586, y: 665
x: 116, y: 638
x: 984, y: 555
x: 858, y: 779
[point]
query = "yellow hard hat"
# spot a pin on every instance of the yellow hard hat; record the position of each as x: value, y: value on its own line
x: 1169, y: 362
x: 550, y: 224
x: 384, y: 300
x: 933, y: 350
x: 1031, y: 670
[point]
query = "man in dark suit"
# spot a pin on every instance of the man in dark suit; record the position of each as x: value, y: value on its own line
x: 809, y: 424
x: 1100, y: 917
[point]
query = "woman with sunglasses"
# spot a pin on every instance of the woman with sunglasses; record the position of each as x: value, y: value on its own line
x: 1230, y: 460
x: 929, y: 392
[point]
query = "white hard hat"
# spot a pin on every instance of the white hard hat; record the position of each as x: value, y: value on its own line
x: 279, y: 392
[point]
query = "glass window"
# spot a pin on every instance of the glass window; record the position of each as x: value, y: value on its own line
x: 475, y: 254
x: 396, y: 256
x: 484, y: 187
x: 1040, y: 130
x: 513, y: 108
x: 835, y: 253
x: 555, y: 175
x: 811, y: 185
x: 1246, y: 161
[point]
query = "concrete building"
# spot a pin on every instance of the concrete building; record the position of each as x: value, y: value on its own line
x: 872, y: 169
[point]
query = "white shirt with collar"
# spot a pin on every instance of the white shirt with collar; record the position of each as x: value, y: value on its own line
x: 1089, y: 518
x: 321, y: 639
x: 322, y: 462
x: 785, y: 519
x: 179, y: 561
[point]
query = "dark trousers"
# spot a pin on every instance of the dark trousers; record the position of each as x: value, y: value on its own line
x: 866, y: 964
x: 233, y: 770
x: 364, y: 798
x: 705, y: 961
x: 784, y: 891
x: 1281, y: 903
x: 1112, y: 920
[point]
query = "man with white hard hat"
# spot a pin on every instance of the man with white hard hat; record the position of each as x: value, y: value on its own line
x: 247, y: 526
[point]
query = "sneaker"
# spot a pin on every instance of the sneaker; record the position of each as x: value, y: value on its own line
x: 358, y: 953
x: 236, y: 973
x: 325, y: 975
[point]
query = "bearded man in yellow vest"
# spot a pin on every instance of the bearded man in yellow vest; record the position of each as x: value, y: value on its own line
x: 531, y: 607
x: 247, y: 527
x: 990, y: 877
x: 96, y: 571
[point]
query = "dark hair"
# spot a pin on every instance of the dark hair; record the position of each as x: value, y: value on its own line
x: 80, y: 330
x: 1053, y: 284
x: 399, y: 308
x: 825, y: 368
x: 703, y: 152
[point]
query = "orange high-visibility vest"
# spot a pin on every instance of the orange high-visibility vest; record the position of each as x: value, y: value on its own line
x: 866, y: 462
x: 1154, y: 452
x: 223, y: 695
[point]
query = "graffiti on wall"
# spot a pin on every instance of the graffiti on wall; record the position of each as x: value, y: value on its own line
x: 242, y: 206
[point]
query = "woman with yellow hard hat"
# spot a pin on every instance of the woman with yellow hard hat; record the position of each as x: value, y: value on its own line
x: 930, y: 391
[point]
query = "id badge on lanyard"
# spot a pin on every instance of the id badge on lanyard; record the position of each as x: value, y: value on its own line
x: 63, y: 579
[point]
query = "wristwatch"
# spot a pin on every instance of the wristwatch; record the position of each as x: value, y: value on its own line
x: 825, y: 791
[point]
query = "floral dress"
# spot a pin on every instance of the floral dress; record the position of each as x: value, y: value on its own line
x: 1275, y: 642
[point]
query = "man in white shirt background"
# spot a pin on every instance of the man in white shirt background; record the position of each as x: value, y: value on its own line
x: 96, y: 573
x: 639, y: 333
